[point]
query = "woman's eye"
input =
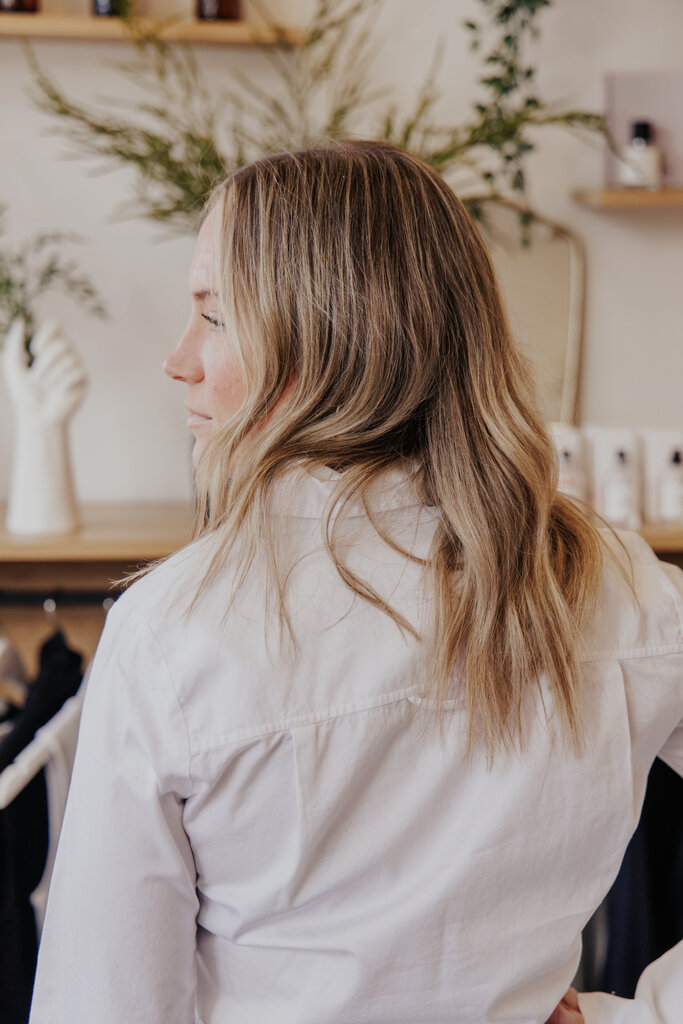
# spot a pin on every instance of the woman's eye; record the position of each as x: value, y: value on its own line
x: 213, y: 320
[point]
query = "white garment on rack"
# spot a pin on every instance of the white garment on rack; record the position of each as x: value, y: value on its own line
x: 58, y: 738
x: 10, y: 661
x: 52, y: 748
x: 11, y: 666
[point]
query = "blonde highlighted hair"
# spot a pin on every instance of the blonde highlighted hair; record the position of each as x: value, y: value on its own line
x: 358, y: 288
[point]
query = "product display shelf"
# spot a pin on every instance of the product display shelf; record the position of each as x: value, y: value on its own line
x: 630, y: 198
x: 91, y: 28
x: 114, y: 540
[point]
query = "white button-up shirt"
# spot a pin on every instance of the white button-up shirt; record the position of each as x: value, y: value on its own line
x: 264, y: 834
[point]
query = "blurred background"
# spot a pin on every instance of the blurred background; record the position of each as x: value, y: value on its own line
x: 129, y: 440
x: 558, y: 123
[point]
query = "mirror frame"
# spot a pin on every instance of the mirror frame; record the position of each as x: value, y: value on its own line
x: 569, y: 403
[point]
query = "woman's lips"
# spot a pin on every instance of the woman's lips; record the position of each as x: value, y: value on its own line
x: 195, y: 419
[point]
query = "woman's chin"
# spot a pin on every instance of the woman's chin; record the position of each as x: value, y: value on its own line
x: 198, y: 449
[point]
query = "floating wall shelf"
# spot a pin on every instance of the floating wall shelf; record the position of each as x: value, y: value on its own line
x: 110, y: 531
x: 630, y: 198
x: 73, y: 26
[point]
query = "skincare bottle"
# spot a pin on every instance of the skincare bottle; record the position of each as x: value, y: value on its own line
x: 572, y: 480
x: 641, y: 162
x: 111, y: 8
x: 621, y: 501
x: 671, y: 490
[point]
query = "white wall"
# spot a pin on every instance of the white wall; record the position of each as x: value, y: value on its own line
x: 129, y: 439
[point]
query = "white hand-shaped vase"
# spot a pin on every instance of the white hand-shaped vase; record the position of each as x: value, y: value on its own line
x: 44, y: 396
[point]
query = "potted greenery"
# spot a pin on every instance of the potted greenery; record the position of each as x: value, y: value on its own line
x: 182, y: 137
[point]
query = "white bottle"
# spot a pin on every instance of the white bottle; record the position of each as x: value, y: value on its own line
x: 572, y: 479
x: 640, y: 165
x: 621, y: 499
x: 671, y: 490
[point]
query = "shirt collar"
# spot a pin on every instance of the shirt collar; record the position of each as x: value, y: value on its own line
x: 305, y: 492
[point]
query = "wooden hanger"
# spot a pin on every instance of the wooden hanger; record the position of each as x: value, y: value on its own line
x: 13, y: 692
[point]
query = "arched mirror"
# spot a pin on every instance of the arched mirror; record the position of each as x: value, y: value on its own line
x: 543, y: 287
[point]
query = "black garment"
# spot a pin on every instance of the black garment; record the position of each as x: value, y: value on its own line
x: 23, y: 852
x: 24, y: 833
x: 630, y: 944
x: 662, y: 823
x: 58, y: 679
x: 645, y: 904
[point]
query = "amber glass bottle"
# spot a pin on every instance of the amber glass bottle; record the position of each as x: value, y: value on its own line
x: 27, y: 6
x: 218, y: 10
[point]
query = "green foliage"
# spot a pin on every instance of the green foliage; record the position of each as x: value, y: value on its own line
x: 171, y: 139
x: 27, y: 273
x: 182, y: 139
x: 511, y: 107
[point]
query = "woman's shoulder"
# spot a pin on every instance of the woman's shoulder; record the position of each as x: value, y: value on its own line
x: 640, y: 606
x: 165, y: 588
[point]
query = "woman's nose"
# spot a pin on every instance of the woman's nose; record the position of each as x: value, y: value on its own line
x: 183, y: 363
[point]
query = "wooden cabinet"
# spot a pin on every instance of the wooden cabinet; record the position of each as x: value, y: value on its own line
x: 114, y: 540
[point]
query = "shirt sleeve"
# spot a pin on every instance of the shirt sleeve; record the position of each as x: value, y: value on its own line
x: 672, y: 751
x: 659, y: 995
x: 119, y: 938
x: 658, y: 998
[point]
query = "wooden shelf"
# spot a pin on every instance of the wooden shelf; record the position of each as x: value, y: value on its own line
x: 126, y: 531
x: 73, y: 26
x: 630, y: 198
x: 116, y: 532
x: 663, y: 539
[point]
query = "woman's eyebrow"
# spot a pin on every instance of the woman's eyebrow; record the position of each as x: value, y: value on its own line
x: 203, y: 294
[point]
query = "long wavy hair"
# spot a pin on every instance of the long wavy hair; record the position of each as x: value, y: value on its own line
x: 357, y: 286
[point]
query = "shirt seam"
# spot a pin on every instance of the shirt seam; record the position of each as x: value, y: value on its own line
x: 675, y: 597
x: 632, y: 653
x: 394, y: 697
x: 310, y: 718
x: 176, y: 695
x: 331, y: 713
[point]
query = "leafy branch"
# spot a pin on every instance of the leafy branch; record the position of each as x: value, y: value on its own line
x: 182, y: 138
x: 490, y: 148
x: 36, y: 267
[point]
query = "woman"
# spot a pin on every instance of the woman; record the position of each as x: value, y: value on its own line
x: 373, y: 746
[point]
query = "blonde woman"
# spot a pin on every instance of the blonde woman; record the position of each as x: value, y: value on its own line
x: 372, y: 747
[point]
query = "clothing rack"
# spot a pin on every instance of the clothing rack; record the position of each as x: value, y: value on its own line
x: 52, y: 599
